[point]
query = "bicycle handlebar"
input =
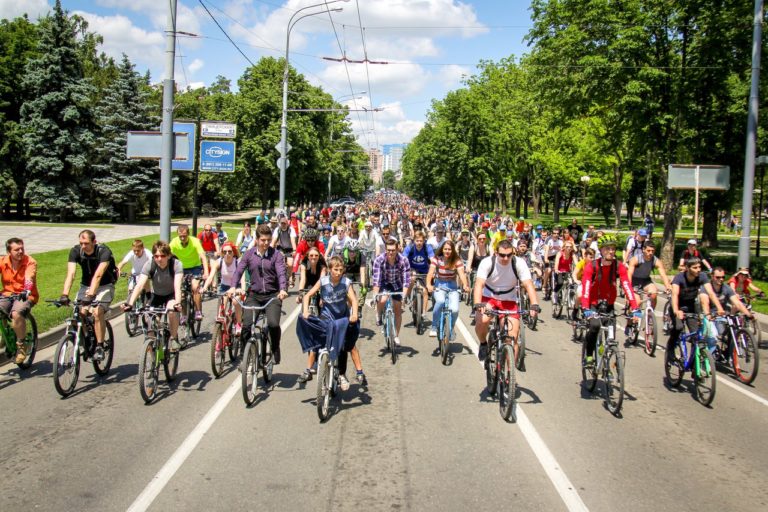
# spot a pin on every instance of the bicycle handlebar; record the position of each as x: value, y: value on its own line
x: 254, y: 308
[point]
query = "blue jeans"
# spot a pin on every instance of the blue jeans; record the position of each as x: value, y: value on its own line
x: 440, y: 300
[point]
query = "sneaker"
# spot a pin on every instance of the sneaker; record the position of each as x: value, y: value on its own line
x: 343, y: 382
x: 238, y: 329
x: 547, y: 297
x: 98, y: 354
x: 198, y: 315
x: 305, y: 377
x: 313, y: 370
x: 21, y: 353
x: 433, y: 333
x: 482, y: 352
x: 397, y: 341
x: 276, y: 355
x: 628, y: 331
x: 175, y: 345
x: 361, y: 379
x: 589, y: 362
x: 378, y: 321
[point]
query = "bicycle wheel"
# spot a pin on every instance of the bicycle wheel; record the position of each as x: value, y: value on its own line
x: 248, y: 370
x: 102, y: 367
x: 390, y: 318
x: 131, y: 323
x: 520, y: 356
x: 30, y: 343
x: 268, y: 363
x: 218, y: 351
x: 491, y: 371
x: 613, y: 380
x: 235, y: 343
x: 187, y: 315
x: 588, y: 374
x: 674, y: 366
x: 418, y: 304
x: 753, y: 327
x: 532, y: 321
x: 66, y: 365
x: 148, y: 370
x: 195, y: 331
x: 651, y: 333
x: 506, y: 380
x: 445, y: 336
x: 705, y: 376
x: 324, y: 386
x: 746, y: 357
x: 170, y: 362
x: 557, y: 309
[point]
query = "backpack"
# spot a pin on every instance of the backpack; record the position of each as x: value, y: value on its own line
x: 153, y: 268
x: 112, y: 270
x: 514, y: 271
x: 596, y: 276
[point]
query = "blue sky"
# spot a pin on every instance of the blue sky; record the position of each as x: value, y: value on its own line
x: 428, y: 44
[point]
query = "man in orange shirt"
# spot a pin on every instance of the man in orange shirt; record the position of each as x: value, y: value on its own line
x: 19, y: 276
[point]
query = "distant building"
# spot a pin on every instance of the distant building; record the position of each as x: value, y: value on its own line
x: 393, y: 156
x: 375, y: 164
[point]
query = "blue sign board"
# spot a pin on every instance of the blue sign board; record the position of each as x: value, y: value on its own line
x: 217, y: 156
x: 189, y: 163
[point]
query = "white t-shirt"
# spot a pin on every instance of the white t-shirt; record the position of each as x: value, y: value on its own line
x: 137, y: 262
x: 336, y: 246
x: 503, y: 278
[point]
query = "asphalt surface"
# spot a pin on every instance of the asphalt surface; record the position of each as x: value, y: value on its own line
x: 423, y: 436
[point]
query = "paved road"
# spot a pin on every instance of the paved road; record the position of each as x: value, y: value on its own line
x: 422, y: 437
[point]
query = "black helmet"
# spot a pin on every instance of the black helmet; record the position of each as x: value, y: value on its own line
x: 310, y: 234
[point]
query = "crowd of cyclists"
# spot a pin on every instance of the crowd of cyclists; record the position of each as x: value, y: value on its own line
x: 375, y: 251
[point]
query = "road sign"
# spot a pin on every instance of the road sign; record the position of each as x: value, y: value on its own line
x: 279, y: 147
x: 149, y: 145
x: 218, y: 129
x: 189, y: 163
x: 280, y: 162
x: 217, y: 156
x: 711, y: 177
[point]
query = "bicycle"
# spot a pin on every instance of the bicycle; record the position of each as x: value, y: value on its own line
x: 389, y: 323
x: 571, y: 297
x: 647, y: 323
x: 155, y: 352
x: 131, y: 317
x: 314, y: 308
x: 525, y: 305
x: 559, y: 295
x: 257, y: 354
x: 444, y: 328
x: 736, y: 347
x: 609, y: 363
x: 751, y: 325
x: 189, y: 328
x: 417, y: 303
x: 327, y: 383
x: 471, y: 280
x: 499, y: 367
x: 78, y: 341
x: 700, y: 362
x: 9, y: 335
x: 224, y: 338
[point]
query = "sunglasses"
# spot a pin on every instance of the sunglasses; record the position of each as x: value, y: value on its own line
x: 504, y: 255
x: 718, y: 277
x: 391, y: 250
x: 229, y: 251
x: 161, y: 255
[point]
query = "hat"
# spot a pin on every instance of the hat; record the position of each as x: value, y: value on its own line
x: 642, y: 232
x: 502, y: 228
x: 368, y: 224
x: 293, y: 215
x: 539, y: 226
x: 692, y: 241
x: 273, y: 219
x: 522, y: 218
x: 743, y: 270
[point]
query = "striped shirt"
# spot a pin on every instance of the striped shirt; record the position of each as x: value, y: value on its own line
x: 398, y: 276
x: 444, y: 273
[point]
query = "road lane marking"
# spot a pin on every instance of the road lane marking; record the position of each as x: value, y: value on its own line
x: 161, y: 479
x: 551, y: 467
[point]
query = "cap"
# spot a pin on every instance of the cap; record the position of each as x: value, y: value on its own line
x: 502, y: 228
x: 368, y: 224
x: 273, y: 219
x: 743, y: 270
x: 293, y: 215
x: 692, y: 241
x: 522, y: 218
x: 642, y: 232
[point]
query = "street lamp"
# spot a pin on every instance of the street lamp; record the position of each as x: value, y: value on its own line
x: 283, y: 146
x: 517, y: 199
x: 585, y: 181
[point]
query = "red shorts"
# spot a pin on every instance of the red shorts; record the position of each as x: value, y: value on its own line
x: 508, y: 305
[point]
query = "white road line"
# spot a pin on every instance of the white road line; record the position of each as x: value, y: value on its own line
x: 554, y: 471
x: 161, y: 479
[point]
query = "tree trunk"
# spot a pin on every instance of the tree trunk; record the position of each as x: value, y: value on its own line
x: 709, y: 229
x: 618, y: 175
x: 556, y: 205
x: 671, y: 217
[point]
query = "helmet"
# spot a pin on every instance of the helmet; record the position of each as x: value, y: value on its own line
x: 352, y: 244
x: 692, y: 241
x: 486, y: 225
x: 607, y: 240
x: 642, y: 232
x: 310, y: 234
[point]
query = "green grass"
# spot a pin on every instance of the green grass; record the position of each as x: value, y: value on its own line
x: 51, y: 272
x: 760, y: 305
x: 54, y: 225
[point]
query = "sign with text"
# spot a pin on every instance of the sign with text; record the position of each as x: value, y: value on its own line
x: 218, y: 129
x: 217, y: 156
x: 191, y: 130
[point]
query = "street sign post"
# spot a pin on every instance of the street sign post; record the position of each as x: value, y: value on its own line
x: 698, y: 177
x: 218, y: 129
x: 217, y: 156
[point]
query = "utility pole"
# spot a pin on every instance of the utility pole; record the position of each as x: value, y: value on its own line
x: 166, y: 161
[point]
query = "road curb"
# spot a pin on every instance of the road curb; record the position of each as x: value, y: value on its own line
x: 52, y: 336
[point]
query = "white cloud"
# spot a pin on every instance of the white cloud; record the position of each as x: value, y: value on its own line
x: 196, y: 65
x: 10, y: 9
x: 122, y: 36
x: 187, y: 19
x: 389, y: 80
x: 452, y: 75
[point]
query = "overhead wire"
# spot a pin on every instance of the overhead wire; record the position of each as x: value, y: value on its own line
x: 367, y: 74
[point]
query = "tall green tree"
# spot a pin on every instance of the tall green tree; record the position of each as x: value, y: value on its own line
x: 57, y: 119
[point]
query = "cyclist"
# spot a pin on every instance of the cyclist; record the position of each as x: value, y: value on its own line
x: 692, y: 252
x: 443, y: 271
x: 551, y: 247
x: 686, y: 288
x: 226, y: 266
x: 209, y: 241
x: 392, y: 273
x: 97, y: 283
x: 640, y: 269
x: 284, y: 240
x: 438, y: 238
x: 562, y: 267
x: 138, y: 256
x: 578, y: 273
x: 599, y: 284
x: 164, y: 272
x: 728, y: 298
x: 533, y: 262
x: 501, y: 234
x: 245, y: 238
x: 19, y: 277
x: 339, y: 303
x: 194, y: 261
x: 634, y: 247
x: 312, y: 270
x: 405, y: 228
x: 221, y: 235
x: 742, y: 284
x: 497, y: 286
x: 338, y: 243
x: 267, y: 268
x: 419, y: 255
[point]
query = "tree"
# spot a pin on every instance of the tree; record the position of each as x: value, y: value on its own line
x: 118, y: 183
x: 57, y: 119
x: 389, y: 180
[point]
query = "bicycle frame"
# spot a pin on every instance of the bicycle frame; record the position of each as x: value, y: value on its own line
x: 156, y: 320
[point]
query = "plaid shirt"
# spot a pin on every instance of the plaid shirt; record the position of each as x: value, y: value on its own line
x: 398, y: 275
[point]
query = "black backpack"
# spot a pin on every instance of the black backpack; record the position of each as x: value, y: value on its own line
x: 112, y: 270
x: 514, y: 271
x: 153, y: 268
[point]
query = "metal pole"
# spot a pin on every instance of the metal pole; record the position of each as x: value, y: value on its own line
x: 749, y: 159
x: 167, y: 131
x: 284, y: 123
x: 583, y: 199
x: 696, y: 208
x: 760, y: 212
x: 194, y: 200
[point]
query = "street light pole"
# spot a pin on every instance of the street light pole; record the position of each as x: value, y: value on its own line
x: 584, y: 180
x: 762, y: 161
x: 283, y: 147
x: 166, y: 162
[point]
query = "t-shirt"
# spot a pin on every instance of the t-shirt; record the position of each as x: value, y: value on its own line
x: 90, y: 262
x: 207, y: 240
x: 689, y: 291
x: 419, y: 259
x: 189, y: 255
x: 313, y: 277
x: 443, y: 272
x: 137, y: 262
x: 335, y: 297
x: 503, y: 278
x: 724, y: 295
x: 162, y: 281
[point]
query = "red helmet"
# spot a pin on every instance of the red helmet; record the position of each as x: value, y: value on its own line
x: 486, y: 225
